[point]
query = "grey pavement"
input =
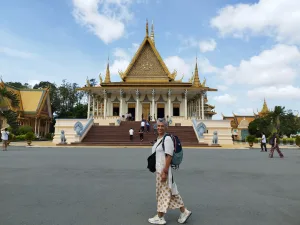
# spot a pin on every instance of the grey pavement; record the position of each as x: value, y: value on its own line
x: 97, y: 186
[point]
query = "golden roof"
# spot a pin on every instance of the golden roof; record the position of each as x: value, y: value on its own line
x: 31, y: 101
x: 264, y: 109
x: 196, y: 81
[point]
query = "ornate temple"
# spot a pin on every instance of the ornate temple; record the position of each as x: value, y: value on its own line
x: 34, y: 108
x: 240, y: 123
x: 148, y: 90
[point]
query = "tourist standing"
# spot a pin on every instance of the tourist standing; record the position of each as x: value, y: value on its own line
x: 131, y: 131
x: 148, y: 126
x: 274, y: 143
x: 167, y: 195
x: 143, y: 125
x: 4, y: 137
x: 155, y: 129
x: 263, y: 144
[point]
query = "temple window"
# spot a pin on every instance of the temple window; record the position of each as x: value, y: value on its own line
x: 176, y: 109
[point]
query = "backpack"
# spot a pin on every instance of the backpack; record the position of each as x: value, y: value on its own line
x: 272, y: 140
x: 178, y: 152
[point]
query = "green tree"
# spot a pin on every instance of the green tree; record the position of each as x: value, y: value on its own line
x: 5, y: 111
x: 18, y: 85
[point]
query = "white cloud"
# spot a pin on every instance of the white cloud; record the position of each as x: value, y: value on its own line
x: 285, y: 92
x: 205, y: 66
x: 15, y: 53
x: 271, y: 67
x: 222, y: 87
x: 177, y: 63
x: 277, y: 18
x: 105, y: 18
x: 245, y: 111
x: 121, y: 53
x: 225, y: 99
x: 207, y: 45
x: 33, y: 82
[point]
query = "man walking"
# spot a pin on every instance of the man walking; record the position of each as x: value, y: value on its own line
x: 4, y: 137
x: 263, y: 142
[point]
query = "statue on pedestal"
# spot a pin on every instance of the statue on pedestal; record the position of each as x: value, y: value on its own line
x: 62, y: 137
x: 215, y: 138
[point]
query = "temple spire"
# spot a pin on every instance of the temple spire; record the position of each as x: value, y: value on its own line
x: 265, y: 107
x: 196, y: 81
x: 107, y: 76
x: 147, y: 30
x: 152, y: 33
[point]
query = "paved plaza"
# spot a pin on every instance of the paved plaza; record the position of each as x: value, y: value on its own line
x: 108, y: 186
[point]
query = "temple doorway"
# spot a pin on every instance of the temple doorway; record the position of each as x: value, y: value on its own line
x: 131, y: 109
x: 160, y: 110
x: 145, y: 111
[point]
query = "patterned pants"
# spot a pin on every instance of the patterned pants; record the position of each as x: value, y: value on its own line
x: 164, y: 196
x: 272, y: 151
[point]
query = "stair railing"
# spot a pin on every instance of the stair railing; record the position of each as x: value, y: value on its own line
x: 81, y: 130
x: 194, y: 122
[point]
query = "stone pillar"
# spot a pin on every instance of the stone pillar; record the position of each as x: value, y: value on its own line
x: 97, y: 107
x: 169, y: 101
x: 121, y: 102
x: 185, y: 103
x: 89, y: 106
x: 39, y: 124
x: 93, y: 106
x: 199, y: 107
x: 105, y: 103
x: 202, y: 101
x: 153, y: 104
x: 35, y: 124
x: 137, y: 115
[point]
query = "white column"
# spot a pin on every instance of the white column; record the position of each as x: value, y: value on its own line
x: 185, y: 103
x: 35, y: 124
x: 202, y: 101
x: 101, y: 108
x: 153, y: 104
x: 105, y: 103
x: 93, y: 106
x: 199, y: 113
x: 39, y: 124
x: 89, y: 106
x: 97, y: 107
x: 137, y: 116
x: 121, y: 102
x: 169, y: 101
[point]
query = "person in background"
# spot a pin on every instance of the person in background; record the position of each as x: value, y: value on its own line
x: 4, y: 137
x: 143, y: 125
x: 141, y: 132
x: 263, y: 142
x: 148, y: 126
x: 131, y: 131
x: 155, y: 128
x: 274, y: 143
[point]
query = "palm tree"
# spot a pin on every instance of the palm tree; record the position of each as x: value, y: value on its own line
x: 9, y: 100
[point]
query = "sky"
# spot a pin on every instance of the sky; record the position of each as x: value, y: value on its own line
x: 249, y: 50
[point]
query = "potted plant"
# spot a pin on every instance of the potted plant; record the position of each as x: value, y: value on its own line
x: 298, y: 141
x: 29, y: 137
x: 250, y: 139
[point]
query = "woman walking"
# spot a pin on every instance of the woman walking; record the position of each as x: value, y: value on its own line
x: 274, y: 144
x: 167, y: 195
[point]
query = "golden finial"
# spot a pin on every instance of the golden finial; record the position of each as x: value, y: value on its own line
x: 107, y: 76
x: 204, y: 82
x: 181, y: 78
x: 147, y: 31
x: 88, y: 82
x: 100, y: 78
x: 196, y: 82
x: 122, y: 75
x: 152, y: 33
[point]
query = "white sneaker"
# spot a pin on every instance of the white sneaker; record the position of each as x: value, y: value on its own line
x: 157, y: 220
x: 184, y: 216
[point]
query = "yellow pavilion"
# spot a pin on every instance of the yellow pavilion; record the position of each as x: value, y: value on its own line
x: 34, y: 108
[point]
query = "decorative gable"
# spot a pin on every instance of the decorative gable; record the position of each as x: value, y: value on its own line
x: 147, y: 66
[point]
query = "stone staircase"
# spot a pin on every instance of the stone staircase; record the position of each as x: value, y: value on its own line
x: 119, y: 135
